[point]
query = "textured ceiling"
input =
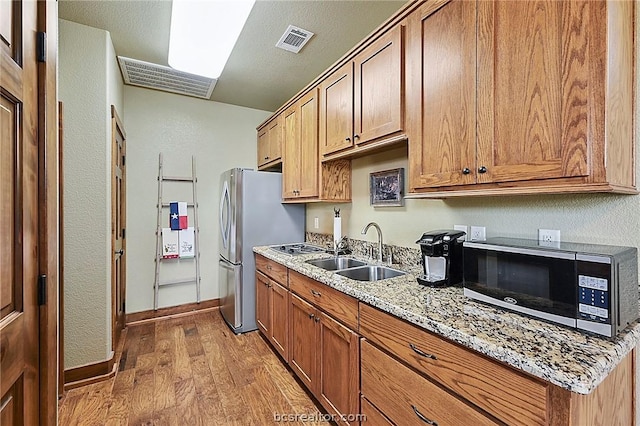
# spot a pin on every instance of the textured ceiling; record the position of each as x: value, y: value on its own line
x: 257, y: 75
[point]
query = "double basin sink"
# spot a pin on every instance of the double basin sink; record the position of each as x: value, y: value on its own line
x: 355, y: 269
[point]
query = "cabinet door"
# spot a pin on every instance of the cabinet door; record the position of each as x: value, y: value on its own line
x: 291, y: 158
x: 309, y: 159
x: 280, y: 319
x: 378, y: 88
x: 275, y: 139
x: 442, y: 65
x: 263, y: 146
x: 303, y: 337
x: 336, y: 110
x: 339, y: 369
x: 533, y: 89
x: 263, y: 304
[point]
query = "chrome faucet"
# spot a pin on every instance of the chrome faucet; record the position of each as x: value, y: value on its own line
x: 375, y: 225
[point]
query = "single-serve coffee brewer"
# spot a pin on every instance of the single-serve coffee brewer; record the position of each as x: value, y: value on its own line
x: 442, y: 258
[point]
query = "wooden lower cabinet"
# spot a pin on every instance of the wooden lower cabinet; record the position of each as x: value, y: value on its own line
x: 407, y: 398
x: 272, y: 305
x: 303, y: 338
x: 325, y: 356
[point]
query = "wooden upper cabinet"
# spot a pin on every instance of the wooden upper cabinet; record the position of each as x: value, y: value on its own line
x: 378, y: 106
x: 533, y: 89
x: 270, y: 143
x: 362, y: 101
x: 520, y: 97
x: 300, y: 159
x: 441, y: 64
x: 336, y: 110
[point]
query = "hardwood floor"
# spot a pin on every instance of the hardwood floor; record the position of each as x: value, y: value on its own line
x: 190, y: 370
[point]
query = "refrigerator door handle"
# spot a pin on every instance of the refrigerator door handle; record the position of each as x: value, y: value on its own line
x: 225, y: 207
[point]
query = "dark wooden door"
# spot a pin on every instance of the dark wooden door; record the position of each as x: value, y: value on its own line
x: 336, y: 110
x: 533, y: 89
x: 338, y: 364
x: 442, y: 97
x: 302, y: 356
x: 19, y: 219
x: 118, y: 224
x: 378, y: 88
x: 263, y: 304
x: 280, y: 319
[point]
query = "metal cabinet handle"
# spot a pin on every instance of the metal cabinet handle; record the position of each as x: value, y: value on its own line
x: 120, y: 252
x: 266, y: 158
x: 356, y: 137
x: 311, y: 316
x: 269, y: 267
x: 421, y: 353
x: 422, y: 416
x: 482, y: 169
x: 316, y: 293
x: 348, y: 139
x: 466, y: 171
x: 317, y: 319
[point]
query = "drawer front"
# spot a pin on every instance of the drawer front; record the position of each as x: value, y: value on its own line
x: 371, y: 415
x: 502, y: 392
x: 407, y: 398
x: 339, y: 305
x: 272, y: 269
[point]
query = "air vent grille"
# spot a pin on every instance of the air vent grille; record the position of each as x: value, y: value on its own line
x: 294, y: 39
x: 167, y: 79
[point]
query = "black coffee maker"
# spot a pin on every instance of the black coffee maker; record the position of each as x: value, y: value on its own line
x: 441, y: 257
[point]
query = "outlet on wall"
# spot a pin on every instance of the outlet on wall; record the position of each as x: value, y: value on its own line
x: 478, y: 233
x: 316, y: 223
x: 548, y: 236
x: 463, y: 228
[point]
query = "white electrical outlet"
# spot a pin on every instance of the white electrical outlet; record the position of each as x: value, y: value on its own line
x: 546, y: 236
x: 478, y: 233
x: 463, y: 228
x: 316, y: 223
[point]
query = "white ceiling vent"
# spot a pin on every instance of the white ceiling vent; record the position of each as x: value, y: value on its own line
x: 294, y: 39
x: 167, y: 79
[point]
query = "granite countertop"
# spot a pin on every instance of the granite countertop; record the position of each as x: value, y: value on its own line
x: 567, y: 358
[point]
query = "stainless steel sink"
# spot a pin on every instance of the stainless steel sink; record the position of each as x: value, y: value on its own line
x: 334, y: 263
x: 370, y: 273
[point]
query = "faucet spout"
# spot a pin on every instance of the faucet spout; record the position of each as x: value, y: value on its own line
x: 375, y: 225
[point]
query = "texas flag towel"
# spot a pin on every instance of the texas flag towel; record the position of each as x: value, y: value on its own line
x: 178, y: 215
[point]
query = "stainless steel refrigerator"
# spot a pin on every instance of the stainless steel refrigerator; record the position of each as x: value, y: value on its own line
x: 251, y: 214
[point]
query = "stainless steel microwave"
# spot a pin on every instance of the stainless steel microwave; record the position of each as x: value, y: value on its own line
x: 585, y: 286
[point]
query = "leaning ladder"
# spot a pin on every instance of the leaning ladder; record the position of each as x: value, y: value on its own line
x: 161, y: 204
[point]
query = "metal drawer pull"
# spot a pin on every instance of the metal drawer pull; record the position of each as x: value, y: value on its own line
x: 317, y: 319
x: 421, y: 353
x: 269, y: 267
x: 422, y: 416
x: 316, y: 293
x: 311, y: 316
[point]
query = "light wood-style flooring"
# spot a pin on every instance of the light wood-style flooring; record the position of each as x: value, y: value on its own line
x: 190, y: 370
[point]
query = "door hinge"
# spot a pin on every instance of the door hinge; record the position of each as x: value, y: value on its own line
x: 123, y: 310
x: 123, y: 160
x: 41, y: 46
x: 123, y: 232
x: 42, y: 290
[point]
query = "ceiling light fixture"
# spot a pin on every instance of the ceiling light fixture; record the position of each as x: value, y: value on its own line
x: 204, y: 32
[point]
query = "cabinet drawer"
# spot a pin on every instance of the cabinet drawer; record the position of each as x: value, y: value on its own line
x: 342, y: 307
x: 371, y: 415
x: 502, y: 392
x: 407, y: 398
x: 272, y: 269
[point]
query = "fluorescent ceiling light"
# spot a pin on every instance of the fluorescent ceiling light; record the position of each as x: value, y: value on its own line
x: 203, y: 33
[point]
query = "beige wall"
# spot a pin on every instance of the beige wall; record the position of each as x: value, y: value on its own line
x: 89, y: 82
x: 221, y: 136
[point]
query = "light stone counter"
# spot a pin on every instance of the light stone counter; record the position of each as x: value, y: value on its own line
x: 564, y: 357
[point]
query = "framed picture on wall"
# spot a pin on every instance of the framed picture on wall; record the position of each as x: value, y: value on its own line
x: 386, y: 188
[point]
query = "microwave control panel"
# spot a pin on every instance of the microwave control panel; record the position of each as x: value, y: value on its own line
x: 593, y: 298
